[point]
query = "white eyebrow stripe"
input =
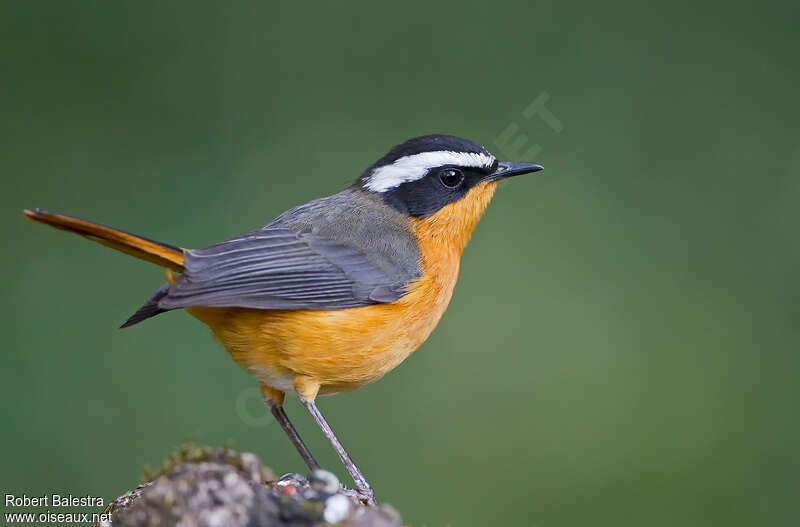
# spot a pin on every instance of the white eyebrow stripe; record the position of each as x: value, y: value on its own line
x: 414, y: 167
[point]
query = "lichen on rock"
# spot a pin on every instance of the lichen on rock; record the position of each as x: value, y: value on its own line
x: 206, y: 487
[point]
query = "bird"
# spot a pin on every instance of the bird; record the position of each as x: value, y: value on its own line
x: 332, y: 294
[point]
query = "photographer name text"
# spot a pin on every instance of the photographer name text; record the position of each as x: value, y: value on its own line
x: 52, y: 500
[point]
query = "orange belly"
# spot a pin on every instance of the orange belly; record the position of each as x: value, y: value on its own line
x: 343, y: 350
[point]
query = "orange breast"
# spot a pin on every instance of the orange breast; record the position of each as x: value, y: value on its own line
x: 346, y: 349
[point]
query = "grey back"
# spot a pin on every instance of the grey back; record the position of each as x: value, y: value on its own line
x: 345, y: 250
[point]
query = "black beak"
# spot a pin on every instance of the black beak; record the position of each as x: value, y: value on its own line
x: 508, y: 169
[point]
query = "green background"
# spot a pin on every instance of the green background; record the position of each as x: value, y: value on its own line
x: 622, y: 346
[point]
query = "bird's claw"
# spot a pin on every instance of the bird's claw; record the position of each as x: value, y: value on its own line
x: 367, y: 497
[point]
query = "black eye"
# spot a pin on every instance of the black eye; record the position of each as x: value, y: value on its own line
x: 451, y: 177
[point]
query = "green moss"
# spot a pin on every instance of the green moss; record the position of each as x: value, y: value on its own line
x: 190, y: 452
x: 313, y: 507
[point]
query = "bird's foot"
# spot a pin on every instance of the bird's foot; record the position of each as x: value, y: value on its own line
x: 367, y: 497
x: 328, y: 482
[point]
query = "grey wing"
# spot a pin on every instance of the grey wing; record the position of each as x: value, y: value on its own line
x: 279, y: 268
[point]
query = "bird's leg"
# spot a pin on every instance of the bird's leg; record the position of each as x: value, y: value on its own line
x: 307, y: 391
x: 274, y: 401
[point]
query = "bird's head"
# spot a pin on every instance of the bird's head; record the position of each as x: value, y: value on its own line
x: 446, y: 180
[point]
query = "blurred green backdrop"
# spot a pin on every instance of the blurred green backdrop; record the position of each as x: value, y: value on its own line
x: 622, y: 347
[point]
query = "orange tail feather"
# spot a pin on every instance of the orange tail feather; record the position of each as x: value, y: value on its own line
x: 162, y: 254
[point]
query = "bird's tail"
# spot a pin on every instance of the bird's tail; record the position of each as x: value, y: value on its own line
x: 159, y: 253
x: 163, y: 254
